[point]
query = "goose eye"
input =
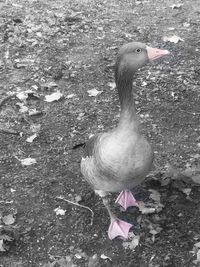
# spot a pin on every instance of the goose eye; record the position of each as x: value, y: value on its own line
x: 138, y: 50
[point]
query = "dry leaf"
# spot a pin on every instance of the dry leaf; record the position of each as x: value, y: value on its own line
x: 198, y: 258
x: 22, y: 96
x: 60, y: 211
x: 22, y: 107
x: 53, y: 97
x: 6, y: 238
x: 133, y: 243
x: 50, y: 84
x: 78, y: 256
x: 155, y: 231
x: 34, y: 86
x: 35, y: 128
x: 28, y: 161
x: 94, y: 92
x: 196, y: 179
x: 8, y: 220
x: 2, y: 246
x: 34, y: 111
x: 77, y: 198
x: 144, y: 209
x: 104, y: 257
x: 173, y: 39
x: 112, y: 85
x: 186, y: 191
x: 70, y: 96
x: 176, y: 6
x: 31, y: 138
x: 64, y: 262
x: 144, y: 84
x: 93, y: 261
x: 186, y: 24
x: 155, y: 195
x: 197, y: 245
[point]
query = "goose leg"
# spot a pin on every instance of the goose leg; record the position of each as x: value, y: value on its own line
x: 117, y: 228
x: 126, y: 199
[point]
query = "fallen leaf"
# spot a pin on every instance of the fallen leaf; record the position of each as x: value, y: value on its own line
x: 31, y: 138
x: 173, y: 39
x: 128, y: 35
x: 78, y: 256
x: 104, y: 257
x: 94, y: 92
x: 35, y: 128
x: 186, y: 24
x: 12, y: 190
x: 197, y: 245
x: 198, y: 257
x: 77, y: 198
x: 60, y: 211
x: 50, y: 84
x: 64, y: 262
x: 80, y: 116
x: 144, y: 83
x: 22, y: 96
x: 112, y: 85
x: 155, y: 195
x: 70, y: 96
x: 144, y: 209
x: 171, y: 28
x: 6, y: 237
x: 196, y: 179
x: 28, y: 161
x: 187, y: 191
x: 8, y: 219
x: 93, y: 261
x: 155, y: 229
x: 2, y: 246
x: 33, y: 112
x: 35, y: 87
x: 133, y: 243
x: 22, y: 107
x: 176, y: 6
x: 53, y: 97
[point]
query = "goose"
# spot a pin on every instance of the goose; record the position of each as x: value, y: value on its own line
x: 120, y: 159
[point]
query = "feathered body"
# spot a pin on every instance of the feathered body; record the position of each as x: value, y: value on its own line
x: 117, y: 162
x: 120, y: 158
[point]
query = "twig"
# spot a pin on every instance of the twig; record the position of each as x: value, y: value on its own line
x: 9, y: 132
x: 79, y: 205
x: 192, y: 113
x: 6, y: 202
x: 3, y: 101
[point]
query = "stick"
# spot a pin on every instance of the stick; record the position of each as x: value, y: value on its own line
x: 9, y: 132
x: 3, y: 101
x: 79, y: 205
x: 193, y: 113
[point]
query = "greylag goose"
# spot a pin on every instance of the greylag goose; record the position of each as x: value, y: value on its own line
x: 119, y: 159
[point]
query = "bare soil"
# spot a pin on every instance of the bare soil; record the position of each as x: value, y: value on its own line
x: 71, y: 46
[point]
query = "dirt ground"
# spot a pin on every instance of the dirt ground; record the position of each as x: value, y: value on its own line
x: 70, y: 46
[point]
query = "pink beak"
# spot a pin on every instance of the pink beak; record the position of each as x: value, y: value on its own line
x: 154, y: 53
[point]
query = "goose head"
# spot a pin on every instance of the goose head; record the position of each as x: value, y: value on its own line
x: 135, y: 55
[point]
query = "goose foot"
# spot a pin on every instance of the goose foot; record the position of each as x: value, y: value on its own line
x: 118, y: 228
x: 126, y: 199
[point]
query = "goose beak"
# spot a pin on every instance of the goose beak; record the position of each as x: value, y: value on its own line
x: 154, y: 53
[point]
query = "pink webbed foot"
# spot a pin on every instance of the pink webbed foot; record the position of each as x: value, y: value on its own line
x: 118, y: 228
x: 126, y: 199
